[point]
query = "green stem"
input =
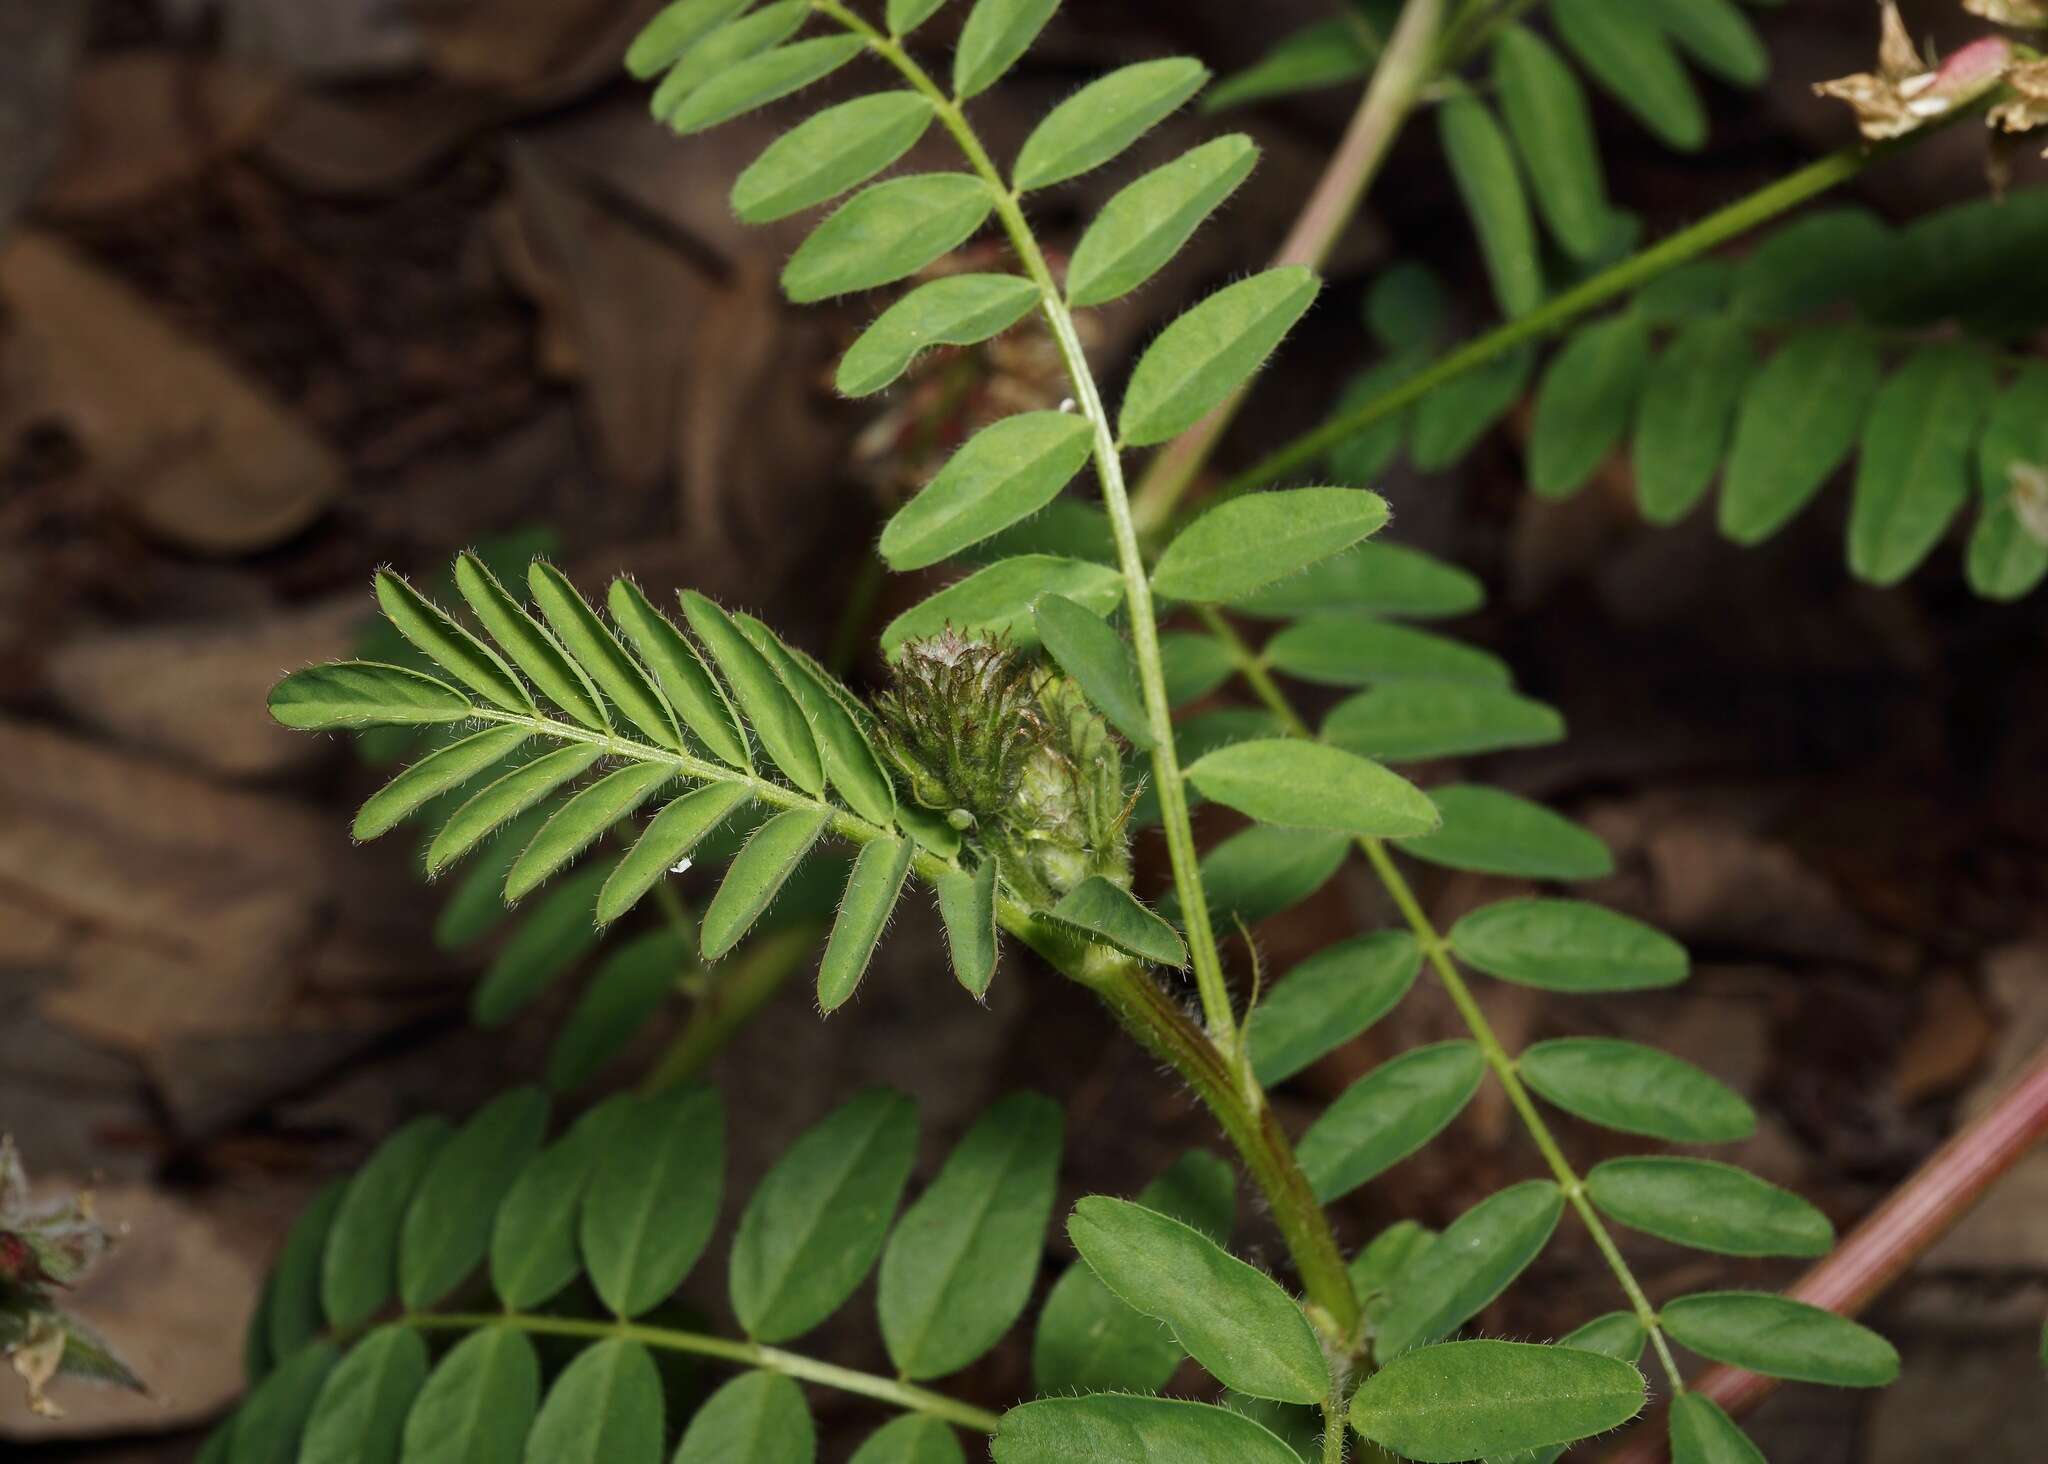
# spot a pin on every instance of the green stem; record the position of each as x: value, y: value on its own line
x: 734, y: 993
x: 747, y: 1354
x: 1437, y: 950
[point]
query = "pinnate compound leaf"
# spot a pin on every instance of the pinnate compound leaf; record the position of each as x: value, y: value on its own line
x: 1004, y: 473
x: 1781, y: 1338
x: 997, y: 600
x: 1637, y: 1090
x: 503, y: 799
x: 815, y: 1226
x: 1628, y: 54
x: 905, y: 16
x: 1350, y: 650
x: 872, y: 888
x: 533, y: 1240
x: 1685, y: 415
x: 605, y: 1408
x: 967, y: 906
x: 359, y: 1416
x: 441, y: 640
x: 532, y: 649
x: 762, y: 79
x: 1412, y: 720
x: 559, y: 932
x: 344, y: 695
x: 273, y: 1418
x: 478, y: 1403
x: 1473, y: 1261
x: 995, y: 38
x: 653, y: 1198
x: 1586, y: 403
x: 1708, y: 1206
x: 777, y: 719
x: 1701, y: 1433
x: 1244, y: 544
x: 1113, y: 915
x: 435, y: 774
x: 1799, y: 419
x: 668, y: 839
x: 953, y: 310
x: 1488, y: 831
x: 1553, y: 131
x: 1089, y: 649
x: 959, y: 1267
x: 1262, y: 870
x: 1146, y: 224
x: 582, y: 821
x: 1491, y: 188
x: 598, y: 651
x: 1105, y: 117
x: 447, y: 1226
x: 848, y: 756
x: 1133, y: 1430
x: 726, y: 48
x: 1211, y: 351
x: 632, y: 984
x: 1567, y: 945
x: 1306, y: 785
x: 1387, y: 1115
x: 838, y: 149
x: 681, y: 673
x: 1329, y: 999
x: 2005, y: 561
x: 1370, y: 578
x: 1230, y: 1317
x: 1913, y: 470
x: 1461, y: 1400
x: 359, y: 1266
x: 885, y: 233
x: 914, y: 1438
x: 675, y: 29
x: 757, y: 874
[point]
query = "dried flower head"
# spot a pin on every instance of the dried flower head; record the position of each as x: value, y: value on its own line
x: 1905, y: 92
x: 2022, y: 13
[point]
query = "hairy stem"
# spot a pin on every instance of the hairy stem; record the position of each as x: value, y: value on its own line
x: 747, y: 1354
x: 1404, y: 68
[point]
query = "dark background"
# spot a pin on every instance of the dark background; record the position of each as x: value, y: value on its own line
x: 288, y: 290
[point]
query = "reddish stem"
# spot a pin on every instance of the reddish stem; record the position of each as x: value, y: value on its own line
x: 1893, y: 1237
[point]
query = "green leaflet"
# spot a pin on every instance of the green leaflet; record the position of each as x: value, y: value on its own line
x: 1406, y: 307
x: 632, y: 984
x: 907, y: 15
x: 997, y: 600
x: 757, y: 1418
x: 1631, y: 59
x: 1088, y: 649
x: 1717, y: 35
x: 1067, y: 527
x: 605, y: 1408
x: 967, y: 905
x: 849, y: 758
x: 1567, y: 945
x: 1448, y: 421
x: 2005, y: 561
x: 1708, y: 1206
x: 1553, y: 131
x: 1585, y: 403
x: 887, y: 232
x: 1488, y: 831
x: 959, y: 1267
x: 1329, y: 999
x: 1696, y: 291
x: 531, y: 648
x: 689, y: 685
x: 1113, y: 915
x: 533, y: 1239
x: 995, y: 38
x: 1472, y: 1262
x: 1230, y: 1317
x: 1209, y: 352
x: 1816, y: 261
x: 1194, y: 665
x: 274, y: 1415
x: 1105, y: 117
x: 668, y: 839
x: 1485, y: 175
x: 726, y: 48
x: 1244, y: 544
x: 1636, y: 1089
x: 560, y: 931
x: 360, y: 1413
x: 653, y: 1198
x: 1387, y: 1115
x: 1780, y: 1338
x: 1701, y: 1433
x: 812, y: 1230
x: 359, y: 1266
x: 762, y: 79
x: 351, y: 694
x: 1411, y: 720
x: 1799, y: 419
x: 819, y: 159
x: 679, y: 26
x: 1683, y: 420
x: 582, y: 821
x: 598, y: 651
x: 1266, y: 869
x: 1005, y: 472
x: 1327, y: 53
x: 437, y: 637
x: 1306, y: 785
x: 1146, y: 224
x: 477, y: 906
x: 1618, y: 1335
x: 1461, y: 1400
x: 871, y: 893
x: 1372, y: 578
x: 953, y: 310
x: 1133, y: 1431
x: 1913, y: 470
x: 1365, y: 455
x: 913, y: 1438
x: 478, y: 1404
x: 777, y: 719
x: 433, y: 775
x: 1374, y: 1268
x: 447, y: 1226
x: 504, y: 799
x: 757, y: 875
x: 292, y: 1308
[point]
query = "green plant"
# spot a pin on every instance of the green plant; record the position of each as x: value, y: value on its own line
x: 994, y: 772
